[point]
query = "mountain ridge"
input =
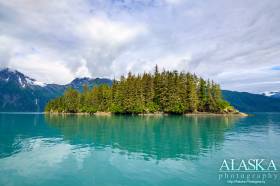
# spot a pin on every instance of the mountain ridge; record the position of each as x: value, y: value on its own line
x: 20, y: 93
x: 273, y: 94
x: 248, y: 102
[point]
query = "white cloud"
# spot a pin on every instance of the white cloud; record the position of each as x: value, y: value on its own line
x: 6, y: 50
x: 105, y: 41
x: 174, y: 2
x: 103, y: 30
x: 83, y: 71
x: 41, y: 68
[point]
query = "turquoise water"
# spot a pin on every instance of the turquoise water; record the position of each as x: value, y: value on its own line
x: 130, y: 150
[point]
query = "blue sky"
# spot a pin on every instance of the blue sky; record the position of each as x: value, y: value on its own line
x: 234, y: 42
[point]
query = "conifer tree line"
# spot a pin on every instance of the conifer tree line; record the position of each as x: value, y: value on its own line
x: 167, y: 91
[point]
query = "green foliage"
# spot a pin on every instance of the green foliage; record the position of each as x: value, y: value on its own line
x: 71, y: 100
x: 167, y: 91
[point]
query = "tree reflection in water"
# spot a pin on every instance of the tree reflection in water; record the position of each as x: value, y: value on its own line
x: 159, y: 137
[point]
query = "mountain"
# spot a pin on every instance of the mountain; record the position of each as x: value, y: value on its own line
x: 19, y: 79
x: 273, y: 94
x: 20, y: 93
x: 79, y: 82
x: 247, y: 102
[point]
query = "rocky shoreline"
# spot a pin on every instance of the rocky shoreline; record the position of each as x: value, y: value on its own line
x: 236, y: 114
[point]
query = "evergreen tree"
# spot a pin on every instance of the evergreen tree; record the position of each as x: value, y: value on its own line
x: 210, y: 104
x: 191, y: 102
x: 202, y: 95
x: 71, y: 100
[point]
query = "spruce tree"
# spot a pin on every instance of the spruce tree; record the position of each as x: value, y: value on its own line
x: 210, y: 104
x: 191, y: 94
x: 71, y: 100
x: 202, y: 95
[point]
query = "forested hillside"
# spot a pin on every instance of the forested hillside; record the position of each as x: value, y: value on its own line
x: 247, y: 102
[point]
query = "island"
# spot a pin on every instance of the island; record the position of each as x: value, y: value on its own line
x: 166, y: 92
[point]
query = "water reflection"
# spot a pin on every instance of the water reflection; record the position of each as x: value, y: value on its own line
x: 121, y: 150
x: 156, y: 137
x: 260, y: 124
x: 15, y: 128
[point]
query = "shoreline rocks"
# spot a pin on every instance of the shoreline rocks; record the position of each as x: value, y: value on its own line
x: 239, y: 114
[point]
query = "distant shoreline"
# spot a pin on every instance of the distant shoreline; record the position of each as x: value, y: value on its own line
x: 238, y: 114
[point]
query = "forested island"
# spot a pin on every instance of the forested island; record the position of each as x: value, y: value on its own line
x: 168, y: 92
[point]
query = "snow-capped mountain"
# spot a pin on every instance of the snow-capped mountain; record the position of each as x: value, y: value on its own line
x: 273, y: 94
x: 13, y: 76
x: 19, y: 92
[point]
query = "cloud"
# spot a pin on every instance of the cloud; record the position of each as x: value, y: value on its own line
x: 235, y: 43
x: 174, y: 2
x: 109, y: 32
x: 105, y: 41
x: 6, y: 50
x: 39, y: 66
